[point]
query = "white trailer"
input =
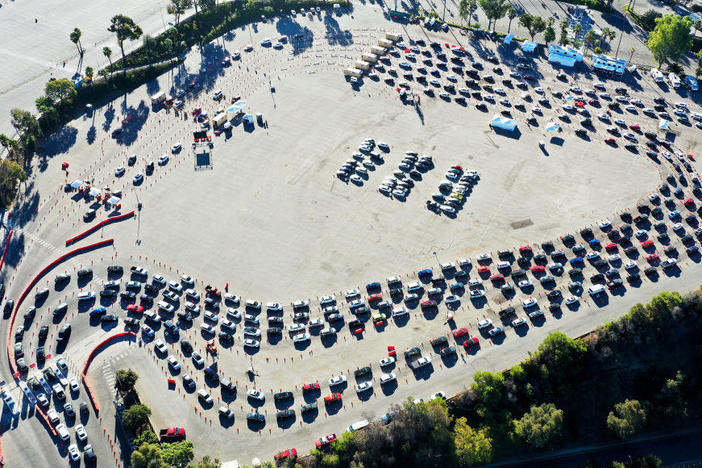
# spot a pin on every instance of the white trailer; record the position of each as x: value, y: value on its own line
x: 392, y: 36
x: 385, y: 43
x: 219, y: 119
x: 353, y: 72
x: 361, y: 65
x: 372, y: 58
x: 158, y: 98
x: 378, y: 50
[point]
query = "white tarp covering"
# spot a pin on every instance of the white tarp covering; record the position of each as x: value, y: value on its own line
x: 114, y: 201
x: 76, y: 184
x: 553, y: 127
x: 663, y: 124
x: 94, y: 192
x: 508, y: 38
x: 503, y: 122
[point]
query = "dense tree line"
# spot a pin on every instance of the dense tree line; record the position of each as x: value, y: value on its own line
x: 635, y: 374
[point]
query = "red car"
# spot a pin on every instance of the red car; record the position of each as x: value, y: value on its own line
x: 484, y: 269
x: 332, y: 397
x: 457, y: 166
x: 426, y: 304
x: 285, y: 454
x: 525, y: 249
x: 611, y: 141
x: 470, y: 342
x: 391, y: 351
x: 197, y: 111
x: 310, y: 387
x: 375, y: 297
x: 460, y: 332
x: 497, y: 277
x: 537, y: 269
x: 611, y: 247
x: 690, y: 204
x: 636, y: 128
x: 594, y: 102
x: 134, y: 308
x: 652, y: 257
x: 647, y: 243
x: 324, y: 441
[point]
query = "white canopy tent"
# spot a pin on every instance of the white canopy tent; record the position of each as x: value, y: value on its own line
x: 76, y: 184
x: 114, y: 201
x: 94, y: 192
x: 553, y: 127
x: 503, y: 122
x: 663, y: 124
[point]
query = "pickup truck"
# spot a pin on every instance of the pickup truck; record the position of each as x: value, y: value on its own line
x: 171, y: 434
x: 421, y: 362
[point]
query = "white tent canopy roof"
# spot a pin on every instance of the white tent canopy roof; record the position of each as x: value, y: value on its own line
x: 503, y: 122
x: 76, y: 184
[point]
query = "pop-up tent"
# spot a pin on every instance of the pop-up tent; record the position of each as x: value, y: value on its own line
x: 553, y: 127
x: 508, y: 38
x: 114, y: 201
x: 503, y: 122
x: 94, y: 192
x: 529, y: 46
x: 663, y: 124
x: 76, y: 184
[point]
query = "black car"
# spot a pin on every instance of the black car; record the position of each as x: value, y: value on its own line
x: 362, y: 371
x: 597, y: 278
x: 281, y: 396
x: 116, y: 269
x: 440, y: 341
x: 448, y: 351
x: 108, y: 318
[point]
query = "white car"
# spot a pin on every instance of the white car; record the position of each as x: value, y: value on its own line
x: 485, y: 323
x: 163, y: 160
x: 386, y: 378
x: 301, y: 338
x: 351, y: 293
x: 274, y: 307
x: 160, y: 346
x: 173, y: 362
x: 73, y: 385
x: 528, y: 302
x: 119, y: 172
x: 337, y: 380
x: 251, y: 343
x: 363, y: 387
x: 525, y: 284
x: 176, y: 148
x: 81, y: 435
x: 256, y: 395
x: 570, y: 300
x: 73, y: 452
x: 387, y: 361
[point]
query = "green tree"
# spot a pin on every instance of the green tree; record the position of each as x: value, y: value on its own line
x: 494, y: 10
x: 561, y: 355
x: 25, y: 123
x: 533, y: 24
x: 148, y: 456
x: 471, y: 446
x: 125, y: 29
x: 61, y: 90
x: 14, y: 147
x: 488, y: 389
x: 178, y: 454
x: 578, y: 28
x: 135, y: 417
x: 627, y: 418
x: 608, y: 34
x: 466, y: 8
x: 89, y: 73
x: 206, y: 462
x: 11, y: 174
x: 670, y: 39
x: 511, y: 14
x: 146, y: 437
x: 107, y: 52
x: 549, y: 34
x: 589, y: 39
x: 126, y: 380
x: 541, y: 426
x: 75, y: 38
x: 178, y: 8
x: 647, y: 21
x: 646, y: 461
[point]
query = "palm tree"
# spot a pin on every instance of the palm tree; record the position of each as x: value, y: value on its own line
x: 466, y: 8
x: 75, y: 38
x: 511, y: 14
x: 107, y: 52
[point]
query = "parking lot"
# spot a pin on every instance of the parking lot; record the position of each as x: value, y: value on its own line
x: 271, y: 222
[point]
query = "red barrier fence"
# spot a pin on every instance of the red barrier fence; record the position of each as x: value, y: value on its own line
x: 99, y: 225
x: 95, y: 350
x: 2, y: 263
x: 34, y: 281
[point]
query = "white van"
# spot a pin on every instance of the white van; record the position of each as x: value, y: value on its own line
x: 657, y: 75
x: 358, y: 425
x: 674, y: 80
x: 595, y: 290
x: 63, y: 432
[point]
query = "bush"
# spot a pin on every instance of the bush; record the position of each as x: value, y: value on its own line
x: 135, y: 418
